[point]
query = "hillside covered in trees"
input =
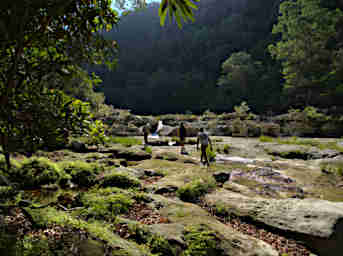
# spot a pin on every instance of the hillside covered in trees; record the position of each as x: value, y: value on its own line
x: 228, y: 55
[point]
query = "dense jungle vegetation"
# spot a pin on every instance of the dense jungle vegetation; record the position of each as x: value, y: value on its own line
x: 273, y: 58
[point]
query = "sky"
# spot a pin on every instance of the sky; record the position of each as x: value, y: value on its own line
x: 147, y: 1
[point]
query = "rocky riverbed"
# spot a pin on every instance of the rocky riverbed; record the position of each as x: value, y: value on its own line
x: 256, y: 198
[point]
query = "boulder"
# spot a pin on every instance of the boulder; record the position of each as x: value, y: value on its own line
x: 125, y: 130
x: 183, y: 215
x: 78, y: 147
x: 317, y: 223
x: 222, y: 176
x: 166, y: 130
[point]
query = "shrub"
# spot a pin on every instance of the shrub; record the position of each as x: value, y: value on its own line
x: 191, y: 191
x: 83, y: 174
x: 148, y: 150
x: 211, y: 154
x: 119, y: 180
x: 96, y: 133
x: 35, y: 172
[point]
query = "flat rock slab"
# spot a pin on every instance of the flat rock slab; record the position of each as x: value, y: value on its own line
x: 298, y: 151
x: 182, y: 215
x: 318, y: 223
x: 222, y: 158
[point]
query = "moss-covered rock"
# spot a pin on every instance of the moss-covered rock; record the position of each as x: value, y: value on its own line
x: 35, y: 172
x: 201, y: 240
x: 130, y: 154
x: 105, y: 204
x: 82, y: 174
x: 119, y: 179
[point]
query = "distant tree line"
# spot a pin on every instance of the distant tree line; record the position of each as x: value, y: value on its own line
x: 230, y: 54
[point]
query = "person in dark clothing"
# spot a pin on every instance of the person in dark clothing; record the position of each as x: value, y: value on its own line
x: 182, y: 134
x: 146, y: 131
x: 204, y: 140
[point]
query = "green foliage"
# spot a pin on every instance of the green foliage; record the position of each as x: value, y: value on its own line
x: 120, y: 180
x: 242, y: 110
x: 15, y: 166
x: 179, y: 9
x: 36, y: 63
x: 191, y: 84
x: 7, y: 192
x: 35, y: 172
x: 83, y: 174
x: 201, y: 240
x: 148, y: 150
x: 309, y: 51
x: 126, y: 141
x: 211, y: 154
x: 96, y: 133
x: 191, y: 191
x: 239, y: 73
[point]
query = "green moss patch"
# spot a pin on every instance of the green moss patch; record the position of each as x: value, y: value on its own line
x: 120, y: 180
x: 95, y: 229
x: 35, y: 172
x: 83, y: 174
x: 105, y: 204
x: 201, y: 240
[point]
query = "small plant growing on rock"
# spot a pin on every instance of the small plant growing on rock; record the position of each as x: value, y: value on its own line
x: 226, y: 149
x: 148, y: 150
x: 191, y: 191
x: 211, y: 154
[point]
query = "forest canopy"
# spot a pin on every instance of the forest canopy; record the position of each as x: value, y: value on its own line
x: 168, y: 69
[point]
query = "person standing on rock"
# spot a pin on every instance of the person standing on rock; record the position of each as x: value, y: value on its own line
x: 146, y: 131
x: 204, y: 140
x: 182, y: 134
